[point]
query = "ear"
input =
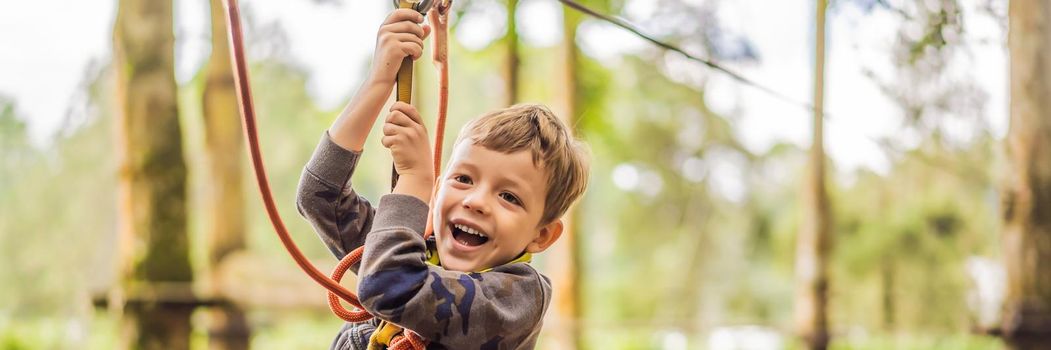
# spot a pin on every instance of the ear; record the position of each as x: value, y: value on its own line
x: 546, y: 236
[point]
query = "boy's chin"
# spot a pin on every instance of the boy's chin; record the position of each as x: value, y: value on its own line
x: 454, y: 264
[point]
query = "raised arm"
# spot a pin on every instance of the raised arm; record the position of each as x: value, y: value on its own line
x: 325, y: 196
x: 326, y: 199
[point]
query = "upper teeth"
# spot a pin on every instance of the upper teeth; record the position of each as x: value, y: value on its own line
x: 469, y: 230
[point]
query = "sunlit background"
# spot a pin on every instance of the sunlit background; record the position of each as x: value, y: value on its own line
x: 686, y: 238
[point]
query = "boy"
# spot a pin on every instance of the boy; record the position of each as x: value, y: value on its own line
x: 512, y: 175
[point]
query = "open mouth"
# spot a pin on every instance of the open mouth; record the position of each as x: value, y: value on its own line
x: 468, y: 236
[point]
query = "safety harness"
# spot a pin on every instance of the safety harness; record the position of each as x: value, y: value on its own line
x: 387, y: 333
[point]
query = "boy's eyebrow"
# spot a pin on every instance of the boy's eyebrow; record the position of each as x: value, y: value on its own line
x: 518, y: 183
x: 465, y: 164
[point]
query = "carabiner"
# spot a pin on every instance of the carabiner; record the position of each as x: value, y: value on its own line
x: 421, y: 6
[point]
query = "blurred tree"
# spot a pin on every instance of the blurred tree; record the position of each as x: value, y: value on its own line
x: 15, y: 155
x: 814, y: 243
x: 944, y: 108
x: 664, y: 213
x: 512, y: 57
x: 228, y: 328
x: 566, y: 255
x: 152, y: 201
x: 1027, y: 196
x: 13, y: 141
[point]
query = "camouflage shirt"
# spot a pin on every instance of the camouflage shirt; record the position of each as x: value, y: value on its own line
x: 499, y: 309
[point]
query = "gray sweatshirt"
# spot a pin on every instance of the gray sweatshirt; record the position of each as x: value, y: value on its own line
x: 499, y: 309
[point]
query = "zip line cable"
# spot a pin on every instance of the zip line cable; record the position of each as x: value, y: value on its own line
x: 638, y: 32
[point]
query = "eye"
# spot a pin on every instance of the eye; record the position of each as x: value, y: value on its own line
x: 462, y: 179
x: 510, y: 198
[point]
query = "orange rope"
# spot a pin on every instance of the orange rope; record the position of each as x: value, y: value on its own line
x: 244, y: 91
x: 409, y: 339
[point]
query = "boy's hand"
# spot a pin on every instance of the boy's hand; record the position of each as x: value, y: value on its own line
x: 405, y: 136
x: 400, y: 36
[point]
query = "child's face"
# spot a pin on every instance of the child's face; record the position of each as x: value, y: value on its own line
x: 499, y: 197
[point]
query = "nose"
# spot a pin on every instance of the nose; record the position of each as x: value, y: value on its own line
x: 476, y: 202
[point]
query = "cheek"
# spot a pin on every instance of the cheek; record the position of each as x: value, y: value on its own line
x: 445, y: 201
x: 520, y: 221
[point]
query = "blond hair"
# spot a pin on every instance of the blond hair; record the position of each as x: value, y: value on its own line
x: 532, y: 127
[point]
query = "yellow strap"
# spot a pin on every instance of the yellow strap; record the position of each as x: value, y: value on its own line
x: 524, y: 258
x: 382, y: 336
x: 432, y: 258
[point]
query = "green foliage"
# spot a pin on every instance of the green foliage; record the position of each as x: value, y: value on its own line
x: 681, y: 249
x: 926, y: 81
x: 905, y: 237
x: 58, y: 217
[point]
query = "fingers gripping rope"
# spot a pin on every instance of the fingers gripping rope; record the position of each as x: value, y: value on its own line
x: 408, y: 339
x: 439, y: 24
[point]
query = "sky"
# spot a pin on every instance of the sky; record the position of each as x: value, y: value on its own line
x: 46, y: 48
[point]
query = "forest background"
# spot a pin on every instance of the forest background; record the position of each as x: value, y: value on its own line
x: 701, y: 185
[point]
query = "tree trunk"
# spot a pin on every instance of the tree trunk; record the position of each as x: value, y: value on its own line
x: 152, y: 199
x: 228, y: 328
x: 1027, y: 198
x: 814, y: 242
x: 564, y: 257
x: 887, y: 291
x: 513, y: 59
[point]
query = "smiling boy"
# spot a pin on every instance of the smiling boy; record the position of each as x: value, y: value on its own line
x: 513, y: 173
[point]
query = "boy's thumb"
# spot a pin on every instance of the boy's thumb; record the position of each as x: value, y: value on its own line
x: 426, y: 31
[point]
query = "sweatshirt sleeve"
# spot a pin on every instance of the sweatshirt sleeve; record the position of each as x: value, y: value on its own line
x: 326, y: 199
x: 500, y: 309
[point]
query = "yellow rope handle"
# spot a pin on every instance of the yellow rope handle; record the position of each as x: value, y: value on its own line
x: 405, y: 72
x: 404, y: 81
